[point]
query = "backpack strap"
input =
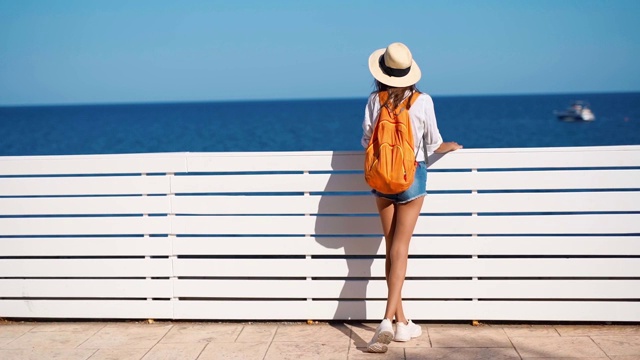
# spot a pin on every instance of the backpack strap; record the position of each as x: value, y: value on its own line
x: 407, y: 102
x: 414, y: 97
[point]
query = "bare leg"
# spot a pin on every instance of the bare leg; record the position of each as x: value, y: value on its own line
x: 387, y: 209
x: 403, y: 223
x: 384, y: 332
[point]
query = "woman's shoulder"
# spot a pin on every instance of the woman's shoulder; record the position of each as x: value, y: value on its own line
x: 424, y: 98
x: 373, y: 100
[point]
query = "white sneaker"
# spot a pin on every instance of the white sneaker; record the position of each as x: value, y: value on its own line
x: 382, y: 337
x: 405, y: 332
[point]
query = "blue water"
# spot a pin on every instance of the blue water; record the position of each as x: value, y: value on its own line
x: 474, y: 121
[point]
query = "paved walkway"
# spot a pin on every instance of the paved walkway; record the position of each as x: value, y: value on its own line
x: 207, y: 340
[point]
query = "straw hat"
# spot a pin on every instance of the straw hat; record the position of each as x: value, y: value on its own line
x: 394, y: 66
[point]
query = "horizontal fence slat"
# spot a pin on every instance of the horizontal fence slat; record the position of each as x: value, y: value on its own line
x: 486, y: 310
x: 412, y: 289
x: 242, y: 310
x: 436, y: 181
x: 559, y: 311
x: 432, y: 245
x: 87, y: 309
x: 85, y: 185
x: 575, y: 157
x: 266, y: 183
x: 370, y: 225
x: 314, y: 204
x: 600, y: 156
x: 274, y: 161
x: 526, y: 245
x: 86, y: 205
x: 559, y: 157
x: 48, y: 268
x: 420, y: 245
x: 126, y: 225
x: 93, y: 164
x: 600, y: 201
x: 464, y: 267
x: 76, y: 246
x: 81, y: 288
x: 534, y: 180
x: 419, y: 310
x: 323, y: 310
x: 278, y: 245
x: 434, y: 203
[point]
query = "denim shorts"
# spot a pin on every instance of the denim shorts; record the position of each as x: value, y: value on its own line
x: 416, y: 190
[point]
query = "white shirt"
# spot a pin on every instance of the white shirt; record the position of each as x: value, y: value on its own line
x: 423, y: 124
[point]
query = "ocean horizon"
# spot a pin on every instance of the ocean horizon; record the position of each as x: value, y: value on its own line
x: 250, y: 100
x: 476, y: 121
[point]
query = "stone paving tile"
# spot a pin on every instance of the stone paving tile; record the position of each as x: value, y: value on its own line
x: 48, y: 339
x: 530, y: 330
x: 48, y: 354
x: 362, y: 354
x: 53, y: 327
x: 5, y: 341
x: 119, y: 354
x: 461, y: 354
x: 632, y: 357
x: 186, y: 333
x: 565, y: 358
x: 132, y: 336
x: 549, y: 347
x: 10, y: 332
x: 597, y: 330
x: 361, y: 336
x: 235, y: 351
x: 469, y: 336
x: 182, y: 351
x: 361, y: 333
x: 449, y: 325
x: 307, y: 350
x: 313, y: 333
x: 619, y: 345
x: 14, y: 330
x: 257, y: 333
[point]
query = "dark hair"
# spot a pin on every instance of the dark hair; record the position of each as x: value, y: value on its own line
x: 396, y: 94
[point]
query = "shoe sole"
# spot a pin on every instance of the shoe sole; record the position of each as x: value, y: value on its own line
x: 410, y: 337
x: 380, y: 346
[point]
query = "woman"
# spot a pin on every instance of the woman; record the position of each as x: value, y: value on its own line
x: 396, y: 73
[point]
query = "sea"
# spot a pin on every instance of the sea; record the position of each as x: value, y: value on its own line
x: 505, y: 121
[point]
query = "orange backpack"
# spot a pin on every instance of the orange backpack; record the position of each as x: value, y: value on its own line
x: 390, y: 158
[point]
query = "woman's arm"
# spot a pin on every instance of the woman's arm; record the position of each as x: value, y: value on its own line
x: 448, y: 146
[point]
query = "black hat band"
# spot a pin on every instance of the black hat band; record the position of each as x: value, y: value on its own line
x: 391, y: 71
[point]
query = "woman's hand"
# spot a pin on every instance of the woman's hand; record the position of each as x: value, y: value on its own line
x: 448, y: 146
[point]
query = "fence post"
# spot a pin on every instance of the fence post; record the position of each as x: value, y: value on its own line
x: 146, y: 237
x: 474, y: 279
x: 172, y: 238
x: 307, y: 256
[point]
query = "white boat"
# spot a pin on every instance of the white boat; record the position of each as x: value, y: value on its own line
x: 578, y: 111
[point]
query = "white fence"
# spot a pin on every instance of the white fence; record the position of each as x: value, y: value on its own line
x: 505, y: 234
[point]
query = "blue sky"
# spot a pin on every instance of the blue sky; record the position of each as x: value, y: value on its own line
x: 113, y: 51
